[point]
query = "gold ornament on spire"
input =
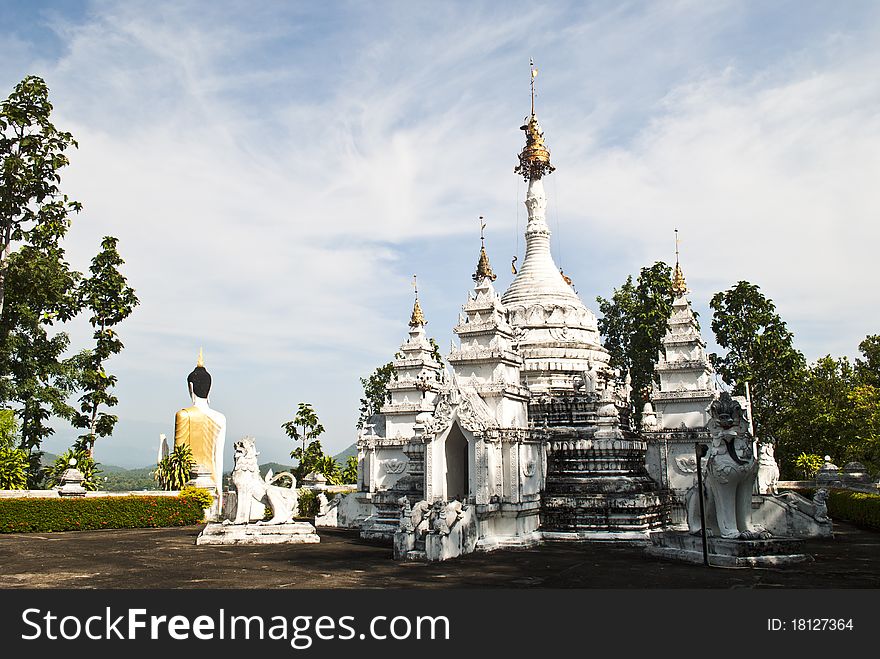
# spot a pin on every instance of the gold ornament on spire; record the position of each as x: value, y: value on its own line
x: 484, y: 270
x: 534, y: 159
x: 201, y: 359
x: 679, y: 285
x: 418, y: 318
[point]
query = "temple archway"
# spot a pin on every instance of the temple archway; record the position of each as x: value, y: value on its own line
x: 457, y: 476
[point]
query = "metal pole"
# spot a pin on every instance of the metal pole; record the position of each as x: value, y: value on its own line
x: 698, y: 450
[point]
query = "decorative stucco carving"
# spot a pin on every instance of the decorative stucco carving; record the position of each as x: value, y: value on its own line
x: 394, y: 465
x: 440, y: 419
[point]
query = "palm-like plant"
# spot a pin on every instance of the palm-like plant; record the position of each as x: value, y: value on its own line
x: 83, y: 461
x: 174, y: 470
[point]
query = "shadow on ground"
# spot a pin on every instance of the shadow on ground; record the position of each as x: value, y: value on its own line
x: 169, y: 558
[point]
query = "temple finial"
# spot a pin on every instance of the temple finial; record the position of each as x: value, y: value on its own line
x: 201, y: 359
x: 534, y: 75
x: 484, y: 270
x: 679, y: 285
x: 534, y: 159
x: 418, y: 318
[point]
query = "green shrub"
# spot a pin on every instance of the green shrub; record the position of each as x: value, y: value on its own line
x: 308, y: 503
x: 23, y: 515
x: 809, y: 465
x: 199, y: 494
x: 856, y: 507
x: 13, y: 468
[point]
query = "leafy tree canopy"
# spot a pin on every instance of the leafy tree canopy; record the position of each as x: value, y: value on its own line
x: 760, y: 351
x: 375, y: 393
x: 633, y: 324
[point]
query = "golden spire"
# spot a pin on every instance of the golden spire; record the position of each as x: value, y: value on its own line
x: 679, y: 285
x: 484, y: 270
x: 201, y: 360
x: 534, y: 159
x: 418, y: 318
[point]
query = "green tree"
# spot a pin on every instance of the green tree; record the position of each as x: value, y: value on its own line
x: 834, y: 412
x: 110, y: 300
x: 83, y: 461
x: 309, y: 459
x: 37, y: 286
x: 32, y: 153
x: 174, y: 470
x: 36, y: 379
x: 375, y: 393
x: 13, y: 460
x: 633, y: 324
x: 808, y: 464
x: 349, y: 471
x: 331, y: 469
x: 815, y: 421
x: 305, y: 427
x: 760, y: 351
x: 868, y: 367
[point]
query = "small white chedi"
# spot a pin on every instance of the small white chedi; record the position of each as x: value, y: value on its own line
x: 250, y: 489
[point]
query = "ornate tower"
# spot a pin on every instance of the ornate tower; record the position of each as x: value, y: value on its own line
x: 391, y: 464
x: 416, y: 377
x: 686, y: 383
x: 687, y: 388
x: 486, y: 359
x: 559, y: 336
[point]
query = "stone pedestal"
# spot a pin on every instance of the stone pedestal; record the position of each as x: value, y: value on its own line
x: 599, y: 486
x: 687, y: 547
x: 258, y: 534
x: 201, y: 477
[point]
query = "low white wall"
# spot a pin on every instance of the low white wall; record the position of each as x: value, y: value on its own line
x: 53, y: 494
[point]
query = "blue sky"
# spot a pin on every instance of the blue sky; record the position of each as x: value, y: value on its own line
x: 276, y: 172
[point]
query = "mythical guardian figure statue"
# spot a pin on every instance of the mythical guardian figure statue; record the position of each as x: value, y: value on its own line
x: 729, y: 472
x: 250, y: 487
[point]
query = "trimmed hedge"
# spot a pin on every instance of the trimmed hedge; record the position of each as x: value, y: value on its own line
x: 856, y: 507
x: 81, y: 514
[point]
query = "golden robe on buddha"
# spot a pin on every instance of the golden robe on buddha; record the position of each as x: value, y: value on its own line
x: 198, y: 430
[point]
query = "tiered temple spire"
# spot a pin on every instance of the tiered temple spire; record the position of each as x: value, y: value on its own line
x: 679, y: 285
x: 534, y: 159
x: 484, y: 269
x: 540, y: 301
x: 418, y: 318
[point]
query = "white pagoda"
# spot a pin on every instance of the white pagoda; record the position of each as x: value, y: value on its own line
x: 678, y: 411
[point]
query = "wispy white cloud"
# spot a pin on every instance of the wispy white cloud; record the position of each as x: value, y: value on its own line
x: 275, y: 174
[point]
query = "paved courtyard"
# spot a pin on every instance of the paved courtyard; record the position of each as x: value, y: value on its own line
x: 169, y: 558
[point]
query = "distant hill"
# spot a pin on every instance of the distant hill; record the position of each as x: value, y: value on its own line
x: 276, y: 468
x: 342, y: 457
x: 120, y: 479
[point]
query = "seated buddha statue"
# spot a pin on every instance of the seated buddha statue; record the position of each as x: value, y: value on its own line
x: 201, y: 428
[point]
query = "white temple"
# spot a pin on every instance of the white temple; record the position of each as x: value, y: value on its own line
x: 527, y: 438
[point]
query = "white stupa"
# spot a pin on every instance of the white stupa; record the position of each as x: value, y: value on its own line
x: 559, y: 337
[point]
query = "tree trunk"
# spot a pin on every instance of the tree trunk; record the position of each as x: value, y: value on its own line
x: 4, y: 263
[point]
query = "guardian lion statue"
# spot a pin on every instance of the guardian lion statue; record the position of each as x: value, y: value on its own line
x: 729, y: 472
x: 250, y: 487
